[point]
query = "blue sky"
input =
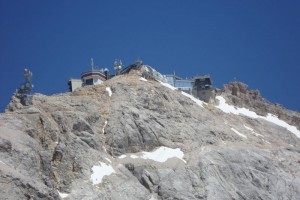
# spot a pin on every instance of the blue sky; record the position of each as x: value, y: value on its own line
x: 256, y: 41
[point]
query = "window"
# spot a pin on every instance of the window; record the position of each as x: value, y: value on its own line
x: 89, y: 81
x: 170, y: 80
x: 183, y: 84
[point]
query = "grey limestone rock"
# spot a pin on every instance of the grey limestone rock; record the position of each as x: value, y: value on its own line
x: 52, y: 147
x: 238, y: 94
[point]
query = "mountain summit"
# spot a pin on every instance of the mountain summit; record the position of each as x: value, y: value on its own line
x: 136, y: 138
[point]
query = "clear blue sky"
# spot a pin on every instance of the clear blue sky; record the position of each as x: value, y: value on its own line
x: 256, y: 41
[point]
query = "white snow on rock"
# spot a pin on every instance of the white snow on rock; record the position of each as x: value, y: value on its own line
x: 274, y: 119
x: 62, y: 195
x: 238, y: 133
x: 266, y: 141
x: 99, y: 171
x: 2, y: 162
x: 252, y: 131
x: 153, y: 198
x: 168, y: 85
x: 105, y: 123
x: 197, y: 101
x: 133, y: 156
x: 231, y: 109
x: 108, y: 160
x: 122, y: 156
x: 109, y: 91
x: 244, y: 111
x: 143, y: 79
x: 162, y: 154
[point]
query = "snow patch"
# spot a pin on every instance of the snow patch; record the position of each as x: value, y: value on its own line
x: 105, y: 123
x: 231, y: 109
x: 108, y: 160
x: 252, y: 131
x: 99, y: 171
x: 238, y: 133
x: 162, y: 154
x: 122, y: 156
x: 62, y: 195
x: 270, y: 118
x: 2, y: 162
x: 266, y: 141
x: 133, y: 156
x: 153, y: 198
x: 143, y: 79
x: 109, y: 91
x: 168, y: 85
x: 197, y: 101
x: 274, y: 119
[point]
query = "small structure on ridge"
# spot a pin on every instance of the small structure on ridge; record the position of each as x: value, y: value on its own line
x: 91, y: 77
x: 23, y: 93
x: 27, y: 86
x: 199, y: 86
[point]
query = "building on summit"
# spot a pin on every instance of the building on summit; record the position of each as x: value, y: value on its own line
x: 91, y: 77
x: 185, y: 85
x: 203, y: 88
x: 199, y: 86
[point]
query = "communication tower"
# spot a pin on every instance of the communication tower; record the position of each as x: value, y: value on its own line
x: 27, y: 86
x: 118, y: 66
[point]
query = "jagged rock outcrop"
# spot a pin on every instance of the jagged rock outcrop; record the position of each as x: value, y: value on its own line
x: 241, y: 90
x: 94, y: 143
x: 239, y: 95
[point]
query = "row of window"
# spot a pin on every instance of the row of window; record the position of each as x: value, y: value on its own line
x: 184, y: 84
x: 204, y: 83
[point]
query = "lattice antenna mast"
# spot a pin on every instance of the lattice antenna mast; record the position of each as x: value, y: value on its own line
x: 118, y: 66
x: 27, y: 86
x: 27, y: 75
x: 138, y: 62
x: 92, y: 64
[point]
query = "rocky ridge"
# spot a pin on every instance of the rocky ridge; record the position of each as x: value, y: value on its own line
x: 105, y: 142
x: 238, y: 94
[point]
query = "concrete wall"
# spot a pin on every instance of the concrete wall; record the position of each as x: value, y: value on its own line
x: 207, y: 96
x: 74, y: 84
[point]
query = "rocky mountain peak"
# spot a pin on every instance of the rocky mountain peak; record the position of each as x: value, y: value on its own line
x: 238, y: 94
x: 137, y: 138
x: 241, y: 90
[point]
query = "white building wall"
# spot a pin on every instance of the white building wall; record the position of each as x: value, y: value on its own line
x: 97, y: 81
x: 75, y: 83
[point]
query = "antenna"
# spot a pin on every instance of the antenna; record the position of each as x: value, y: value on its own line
x: 138, y: 63
x: 92, y: 64
x: 118, y: 66
x: 27, y: 74
x: 27, y: 86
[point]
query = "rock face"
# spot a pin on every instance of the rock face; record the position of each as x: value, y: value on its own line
x: 239, y: 95
x: 241, y: 90
x: 102, y: 142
